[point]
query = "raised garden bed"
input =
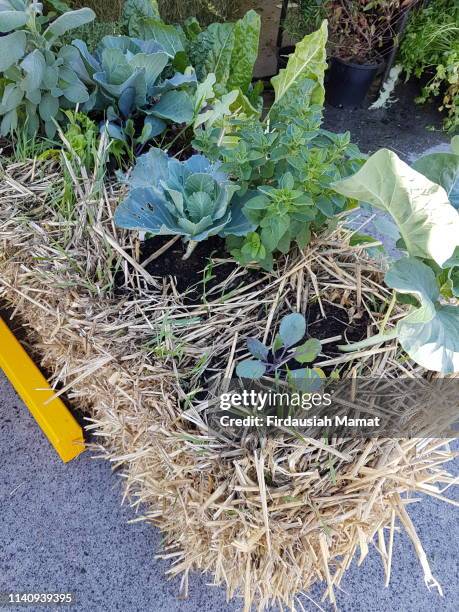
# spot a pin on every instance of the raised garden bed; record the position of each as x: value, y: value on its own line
x: 130, y: 361
x: 151, y: 258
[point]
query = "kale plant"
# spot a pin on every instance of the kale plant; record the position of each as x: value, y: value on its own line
x: 275, y: 360
x: 193, y: 199
x: 38, y: 80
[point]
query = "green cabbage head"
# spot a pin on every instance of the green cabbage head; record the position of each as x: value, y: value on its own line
x: 193, y: 199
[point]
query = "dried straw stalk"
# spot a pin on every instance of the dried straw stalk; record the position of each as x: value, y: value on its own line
x: 267, y: 521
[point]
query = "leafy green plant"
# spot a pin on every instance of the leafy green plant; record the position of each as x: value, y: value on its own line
x: 443, y: 169
x: 226, y: 50
x: 430, y: 49
x: 287, y: 173
x: 136, y: 12
x: 193, y: 199
x: 127, y: 76
x: 276, y: 359
x: 38, y: 80
x: 82, y: 136
x: 429, y: 334
x: 429, y: 228
x: 428, y: 224
x: 285, y: 163
x: 306, y: 65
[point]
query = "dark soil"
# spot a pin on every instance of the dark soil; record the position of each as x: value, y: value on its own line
x: 197, y: 275
x: 335, y: 323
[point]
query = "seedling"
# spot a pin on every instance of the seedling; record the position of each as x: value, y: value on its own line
x: 286, y: 347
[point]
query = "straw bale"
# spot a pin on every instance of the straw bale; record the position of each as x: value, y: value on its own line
x: 266, y: 520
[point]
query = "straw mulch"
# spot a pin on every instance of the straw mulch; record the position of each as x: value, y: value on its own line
x: 267, y: 520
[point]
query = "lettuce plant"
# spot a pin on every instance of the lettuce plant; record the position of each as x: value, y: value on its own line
x: 193, y: 199
x: 127, y: 75
x: 38, y: 79
x: 429, y: 228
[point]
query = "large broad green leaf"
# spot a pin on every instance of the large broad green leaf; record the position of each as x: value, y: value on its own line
x: 135, y: 11
x: 151, y: 169
x: 152, y: 63
x: 10, y: 20
x: 443, y: 169
x: 429, y: 334
x: 308, y: 62
x: 49, y: 107
x: 176, y: 106
x: 245, y: 51
x: 76, y: 92
x: 9, y: 122
x: 143, y: 210
x: 427, y: 222
x: 12, y: 48
x: 69, y: 21
x: 218, y: 110
x: 12, y: 97
x: 212, y: 50
x: 90, y: 63
x: 168, y: 36
x: 34, y: 65
x: 115, y: 66
x: 410, y: 276
x: 292, y: 329
x: 136, y: 81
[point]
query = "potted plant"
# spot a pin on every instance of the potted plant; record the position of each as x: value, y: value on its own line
x: 361, y: 34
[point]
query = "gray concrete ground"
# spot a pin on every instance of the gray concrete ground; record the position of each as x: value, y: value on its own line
x: 62, y: 529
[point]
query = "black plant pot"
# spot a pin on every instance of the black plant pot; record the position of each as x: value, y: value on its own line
x: 348, y: 83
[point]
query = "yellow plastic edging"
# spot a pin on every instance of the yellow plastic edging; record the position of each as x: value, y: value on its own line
x: 53, y: 417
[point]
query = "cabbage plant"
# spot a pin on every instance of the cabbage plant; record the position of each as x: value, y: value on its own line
x: 127, y: 76
x: 193, y: 199
x: 38, y: 79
